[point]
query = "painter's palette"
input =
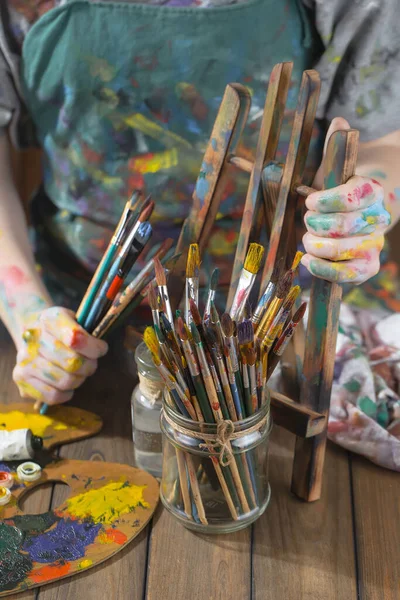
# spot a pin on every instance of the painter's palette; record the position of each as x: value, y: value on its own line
x: 108, y: 505
x: 61, y: 425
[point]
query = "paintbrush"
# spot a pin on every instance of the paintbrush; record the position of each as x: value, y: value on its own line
x: 136, y: 290
x: 281, y: 317
x: 192, y: 279
x: 219, y: 360
x: 211, y: 294
x: 216, y: 408
x: 194, y: 371
x: 267, y: 294
x: 233, y: 365
x: 116, y: 276
x: 130, y: 211
x: 296, y: 261
x: 281, y: 292
x: 216, y: 324
x: 175, y: 389
x: 250, y: 269
x: 196, y: 318
x: 246, y: 385
x: 245, y: 334
x: 162, y: 288
x: 229, y: 491
x: 282, y: 343
x: 154, y: 306
x: 251, y: 356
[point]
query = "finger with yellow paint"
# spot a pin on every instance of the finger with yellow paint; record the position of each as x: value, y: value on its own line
x: 56, y: 357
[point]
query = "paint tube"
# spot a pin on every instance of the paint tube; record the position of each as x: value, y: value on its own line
x: 19, y: 444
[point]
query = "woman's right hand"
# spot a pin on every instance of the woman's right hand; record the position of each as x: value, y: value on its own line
x: 57, y: 356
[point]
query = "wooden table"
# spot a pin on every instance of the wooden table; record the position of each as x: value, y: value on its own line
x: 344, y: 547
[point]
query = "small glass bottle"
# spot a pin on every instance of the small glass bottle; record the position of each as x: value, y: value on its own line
x: 146, y: 407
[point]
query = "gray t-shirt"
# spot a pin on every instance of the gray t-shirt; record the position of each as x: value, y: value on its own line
x: 357, y: 46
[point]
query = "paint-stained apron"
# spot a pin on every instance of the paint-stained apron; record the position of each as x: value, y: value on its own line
x: 124, y: 96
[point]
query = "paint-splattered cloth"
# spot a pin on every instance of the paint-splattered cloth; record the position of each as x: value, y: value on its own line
x: 112, y: 117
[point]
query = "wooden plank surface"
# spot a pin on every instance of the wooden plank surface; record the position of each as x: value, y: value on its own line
x: 377, y: 526
x: 183, y: 564
x: 304, y: 550
x: 296, y: 550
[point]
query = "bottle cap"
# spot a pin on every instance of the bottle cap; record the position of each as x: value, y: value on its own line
x: 5, y: 495
x: 36, y: 442
x: 6, y: 479
x: 29, y: 471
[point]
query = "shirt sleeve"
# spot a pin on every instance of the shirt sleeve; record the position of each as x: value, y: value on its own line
x: 359, y: 63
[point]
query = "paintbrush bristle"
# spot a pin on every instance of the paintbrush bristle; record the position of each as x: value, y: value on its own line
x: 214, y: 280
x: 194, y: 311
x: 195, y: 333
x: 180, y: 326
x: 296, y: 260
x: 137, y: 201
x: 299, y: 314
x: 152, y: 296
x: 165, y: 323
x: 284, y: 285
x: 151, y: 341
x: 245, y: 332
x: 159, y: 334
x: 290, y: 300
x: 146, y: 212
x: 254, y: 258
x: 228, y: 326
x: 210, y: 339
x: 193, y: 261
x: 214, y: 313
x: 250, y: 355
x: 160, y: 272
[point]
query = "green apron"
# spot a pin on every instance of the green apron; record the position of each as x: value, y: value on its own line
x: 124, y: 96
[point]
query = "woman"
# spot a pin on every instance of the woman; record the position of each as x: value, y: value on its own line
x: 123, y: 95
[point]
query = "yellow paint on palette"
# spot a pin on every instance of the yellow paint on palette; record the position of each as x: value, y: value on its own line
x: 16, y: 419
x: 107, y: 503
x: 85, y: 564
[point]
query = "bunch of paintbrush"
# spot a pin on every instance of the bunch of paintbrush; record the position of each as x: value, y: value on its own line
x: 215, y: 368
x: 103, y: 302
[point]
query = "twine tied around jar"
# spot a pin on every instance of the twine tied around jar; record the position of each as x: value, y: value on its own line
x: 221, y: 439
x: 152, y: 390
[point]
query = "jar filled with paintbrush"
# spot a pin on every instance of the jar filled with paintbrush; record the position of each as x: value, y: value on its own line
x: 216, y: 412
x: 146, y: 408
x: 215, y: 475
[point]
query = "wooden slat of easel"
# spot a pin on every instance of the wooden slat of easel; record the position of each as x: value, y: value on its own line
x: 323, y: 322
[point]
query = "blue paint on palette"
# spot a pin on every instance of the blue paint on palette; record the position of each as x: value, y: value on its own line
x: 67, y: 541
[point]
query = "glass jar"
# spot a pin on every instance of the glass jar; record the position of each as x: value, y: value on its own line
x: 215, y: 477
x: 146, y: 407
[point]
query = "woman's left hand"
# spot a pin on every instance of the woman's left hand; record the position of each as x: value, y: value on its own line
x: 345, y: 228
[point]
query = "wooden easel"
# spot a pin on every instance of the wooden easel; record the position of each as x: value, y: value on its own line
x: 305, y: 413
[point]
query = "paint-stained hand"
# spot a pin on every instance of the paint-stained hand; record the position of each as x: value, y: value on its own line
x: 345, y: 227
x: 56, y: 358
